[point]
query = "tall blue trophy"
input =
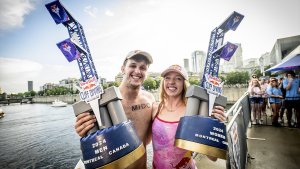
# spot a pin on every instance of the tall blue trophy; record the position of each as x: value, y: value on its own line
x: 197, y: 131
x: 113, y: 142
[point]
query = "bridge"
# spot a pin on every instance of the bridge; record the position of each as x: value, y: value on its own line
x: 20, y: 100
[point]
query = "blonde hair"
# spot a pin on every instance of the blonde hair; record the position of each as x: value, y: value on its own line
x: 163, y: 94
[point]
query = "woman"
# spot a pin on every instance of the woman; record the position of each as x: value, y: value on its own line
x: 165, y: 120
x: 264, y: 83
x: 275, y: 96
x: 256, y: 101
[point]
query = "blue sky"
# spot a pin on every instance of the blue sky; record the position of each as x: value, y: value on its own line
x: 170, y: 30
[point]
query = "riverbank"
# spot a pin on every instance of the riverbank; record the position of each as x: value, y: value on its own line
x: 232, y: 94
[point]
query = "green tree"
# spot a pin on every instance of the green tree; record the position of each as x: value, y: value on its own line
x: 237, y: 78
x: 20, y: 94
x: 149, y: 84
x: 158, y: 81
x: 32, y: 93
x: 105, y: 86
x: 117, y: 84
x: 259, y: 73
x: 194, y: 81
x: 41, y: 93
x: 27, y: 94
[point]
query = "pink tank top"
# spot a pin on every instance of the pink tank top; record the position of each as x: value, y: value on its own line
x: 165, y: 154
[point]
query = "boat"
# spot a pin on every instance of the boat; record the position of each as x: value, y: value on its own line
x: 2, y: 114
x: 58, y: 103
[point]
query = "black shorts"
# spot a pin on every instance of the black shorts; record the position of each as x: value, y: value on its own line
x: 256, y: 100
x: 289, y: 104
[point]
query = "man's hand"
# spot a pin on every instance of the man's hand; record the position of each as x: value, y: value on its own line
x: 84, y: 122
x: 218, y: 113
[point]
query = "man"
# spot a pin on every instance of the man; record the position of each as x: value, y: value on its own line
x: 292, y: 97
x: 138, y: 104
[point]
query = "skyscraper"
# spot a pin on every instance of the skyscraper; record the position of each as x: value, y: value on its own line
x: 198, y: 61
x: 30, y: 86
x: 186, y: 64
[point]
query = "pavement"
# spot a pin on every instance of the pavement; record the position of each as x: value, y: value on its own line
x: 269, y: 148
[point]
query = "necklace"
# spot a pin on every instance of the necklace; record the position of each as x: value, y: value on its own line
x: 172, y: 110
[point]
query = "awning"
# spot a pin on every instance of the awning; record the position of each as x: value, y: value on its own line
x: 289, y: 64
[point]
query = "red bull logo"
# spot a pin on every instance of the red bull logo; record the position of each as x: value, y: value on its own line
x: 213, y: 85
x: 90, y: 90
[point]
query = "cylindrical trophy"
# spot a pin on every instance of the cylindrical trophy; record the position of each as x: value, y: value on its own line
x: 115, y: 145
x: 197, y: 132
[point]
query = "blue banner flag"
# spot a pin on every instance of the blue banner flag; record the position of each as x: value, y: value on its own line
x: 57, y: 12
x: 228, y: 51
x: 234, y: 21
x: 68, y: 48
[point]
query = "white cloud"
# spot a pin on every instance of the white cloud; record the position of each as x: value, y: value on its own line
x: 109, y: 13
x: 12, y: 13
x: 14, y: 74
x: 92, y: 11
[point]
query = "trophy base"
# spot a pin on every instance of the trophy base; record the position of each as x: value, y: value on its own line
x: 201, y: 148
x: 203, y: 135
x: 126, y: 160
x: 113, y: 147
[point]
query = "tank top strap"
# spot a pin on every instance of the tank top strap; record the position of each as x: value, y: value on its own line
x: 158, y: 110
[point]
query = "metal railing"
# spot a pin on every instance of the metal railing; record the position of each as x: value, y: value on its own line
x: 238, y: 121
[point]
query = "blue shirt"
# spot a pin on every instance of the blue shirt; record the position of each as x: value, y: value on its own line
x: 292, y: 93
x: 274, y: 91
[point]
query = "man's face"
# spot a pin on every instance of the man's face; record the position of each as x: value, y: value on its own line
x: 134, y: 72
x: 289, y: 76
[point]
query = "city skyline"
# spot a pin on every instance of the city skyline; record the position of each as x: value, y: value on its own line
x: 169, y: 30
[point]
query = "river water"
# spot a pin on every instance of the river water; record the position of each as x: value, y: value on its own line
x: 40, y: 136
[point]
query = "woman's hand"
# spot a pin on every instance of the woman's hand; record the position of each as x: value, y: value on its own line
x: 218, y: 113
x: 84, y: 122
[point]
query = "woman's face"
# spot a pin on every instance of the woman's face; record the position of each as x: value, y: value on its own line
x: 173, y: 84
x: 255, y: 82
x: 274, y: 83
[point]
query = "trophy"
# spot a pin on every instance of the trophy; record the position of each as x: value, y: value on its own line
x: 196, y: 130
x: 112, y: 142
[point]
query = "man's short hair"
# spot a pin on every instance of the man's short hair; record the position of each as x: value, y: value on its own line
x: 291, y: 73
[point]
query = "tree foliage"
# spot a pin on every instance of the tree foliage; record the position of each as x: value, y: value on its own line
x: 149, y: 84
x: 117, y: 84
x: 237, y: 78
x: 259, y: 73
x: 193, y: 81
x: 56, y: 91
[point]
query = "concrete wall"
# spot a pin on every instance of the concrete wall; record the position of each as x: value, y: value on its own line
x: 232, y: 94
x: 49, y: 99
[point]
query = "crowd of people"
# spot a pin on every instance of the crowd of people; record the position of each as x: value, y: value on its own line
x: 281, y: 94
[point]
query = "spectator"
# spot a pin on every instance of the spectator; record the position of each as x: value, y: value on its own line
x: 256, y: 101
x: 292, y: 99
x: 275, y: 96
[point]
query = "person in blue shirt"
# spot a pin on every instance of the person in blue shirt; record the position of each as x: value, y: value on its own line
x: 292, y: 97
x: 275, y: 96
